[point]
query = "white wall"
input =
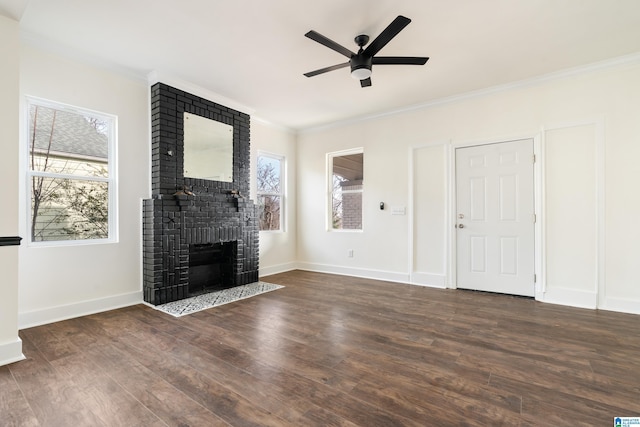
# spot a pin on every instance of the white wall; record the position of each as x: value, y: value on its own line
x: 589, y: 132
x: 61, y: 282
x: 277, y: 248
x: 10, y: 345
x: 381, y: 249
x: 429, y: 197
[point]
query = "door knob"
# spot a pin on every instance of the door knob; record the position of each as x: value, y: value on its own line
x: 460, y: 225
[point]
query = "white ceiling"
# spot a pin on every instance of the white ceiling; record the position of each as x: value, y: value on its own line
x: 254, y: 51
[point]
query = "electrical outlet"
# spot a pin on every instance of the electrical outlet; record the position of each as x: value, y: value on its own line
x: 350, y: 253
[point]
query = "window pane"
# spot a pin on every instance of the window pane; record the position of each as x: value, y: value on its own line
x: 351, y: 211
x: 349, y: 167
x: 269, y: 212
x: 67, y: 142
x: 68, y: 209
x: 347, y: 185
x: 268, y: 174
x: 336, y: 208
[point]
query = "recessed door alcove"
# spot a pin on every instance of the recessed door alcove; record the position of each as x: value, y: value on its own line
x: 186, y: 213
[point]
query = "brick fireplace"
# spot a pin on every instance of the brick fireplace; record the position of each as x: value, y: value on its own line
x: 198, y: 234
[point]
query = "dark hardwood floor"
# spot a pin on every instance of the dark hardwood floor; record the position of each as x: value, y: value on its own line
x: 331, y: 351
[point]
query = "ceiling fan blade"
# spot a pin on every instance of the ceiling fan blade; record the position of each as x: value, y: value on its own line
x: 365, y: 82
x: 400, y: 60
x: 326, y: 69
x: 385, y: 36
x: 329, y: 43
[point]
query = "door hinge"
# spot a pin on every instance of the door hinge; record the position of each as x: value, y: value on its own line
x: 534, y: 158
x: 535, y: 278
x: 534, y: 218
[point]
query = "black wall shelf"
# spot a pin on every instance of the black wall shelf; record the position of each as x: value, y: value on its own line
x: 10, y: 241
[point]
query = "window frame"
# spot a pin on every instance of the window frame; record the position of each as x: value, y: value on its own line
x: 283, y: 188
x: 329, y: 191
x: 110, y: 180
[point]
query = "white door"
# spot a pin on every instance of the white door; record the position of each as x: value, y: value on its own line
x: 495, y: 218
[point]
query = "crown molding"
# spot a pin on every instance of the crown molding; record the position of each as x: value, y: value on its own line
x: 627, y: 60
x: 267, y: 123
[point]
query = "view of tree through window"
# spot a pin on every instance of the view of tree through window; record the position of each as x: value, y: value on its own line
x: 68, y: 173
x: 346, y: 190
x: 270, y: 191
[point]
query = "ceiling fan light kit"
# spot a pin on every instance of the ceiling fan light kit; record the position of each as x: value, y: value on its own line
x: 361, y: 63
x: 361, y: 73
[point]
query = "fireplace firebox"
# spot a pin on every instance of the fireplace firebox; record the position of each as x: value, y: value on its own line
x: 211, y: 267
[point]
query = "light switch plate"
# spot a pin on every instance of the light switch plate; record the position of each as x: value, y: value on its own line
x: 398, y: 210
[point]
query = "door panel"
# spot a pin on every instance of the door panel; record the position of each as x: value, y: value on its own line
x: 478, y: 254
x: 508, y: 198
x: 508, y: 255
x: 477, y: 187
x: 495, y: 230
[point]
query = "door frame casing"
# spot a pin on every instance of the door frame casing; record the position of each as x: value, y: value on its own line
x: 538, y: 186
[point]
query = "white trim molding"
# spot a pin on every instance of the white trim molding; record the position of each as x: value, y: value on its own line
x: 276, y: 269
x: 432, y: 280
x: 11, y: 352
x: 84, y: 308
x: 596, y: 297
x: 622, y: 305
x: 437, y: 280
x: 571, y: 297
x: 388, y: 276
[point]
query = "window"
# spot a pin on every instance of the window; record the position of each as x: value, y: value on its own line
x: 345, y: 188
x: 270, y: 180
x: 70, y: 172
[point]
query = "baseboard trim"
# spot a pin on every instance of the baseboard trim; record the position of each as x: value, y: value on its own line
x: 631, y: 306
x: 30, y: 319
x: 428, y: 279
x: 275, y: 269
x: 571, y: 297
x: 11, y: 352
x: 388, y: 276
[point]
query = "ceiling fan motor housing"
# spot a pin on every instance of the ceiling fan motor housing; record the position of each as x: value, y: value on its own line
x: 360, y: 61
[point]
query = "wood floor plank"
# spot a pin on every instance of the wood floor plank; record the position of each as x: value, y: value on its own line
x: 331, y: 350
x: 558, y: 403
x: 14, y: 408
x: 106, y: 398
x: 432, y: 407
x: 435, y: 380
x: 216, y: 397
x: 54, y: 399
x: 169, y: 403
x: 300, y: 385
x: 581, y: 382
x: 234, y: 379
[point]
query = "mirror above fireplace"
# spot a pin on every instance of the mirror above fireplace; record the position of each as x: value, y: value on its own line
x: 208, y: 149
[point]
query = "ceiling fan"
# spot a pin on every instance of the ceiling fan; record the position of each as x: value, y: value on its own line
x: 362, y: 61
